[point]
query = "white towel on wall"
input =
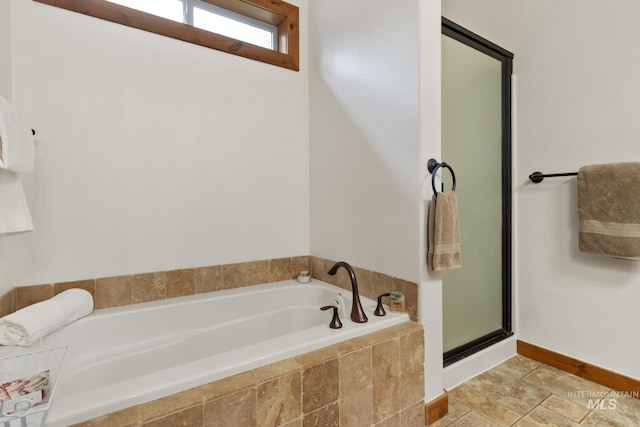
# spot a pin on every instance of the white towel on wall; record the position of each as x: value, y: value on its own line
x: 16, y: 140
x: 26, y: 326
x: 14, y: 212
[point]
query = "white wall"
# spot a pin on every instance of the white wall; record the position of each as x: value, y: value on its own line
x: 152, y: 153
x: 374, y: 122
x: 5, y: 49
x: 579, y: 97
x: 430, y: 291
x: 5, y: 90
x: 578, y: 92
x: 364, y: 94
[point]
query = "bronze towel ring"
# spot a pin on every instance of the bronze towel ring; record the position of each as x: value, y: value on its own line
x: 433, y: 167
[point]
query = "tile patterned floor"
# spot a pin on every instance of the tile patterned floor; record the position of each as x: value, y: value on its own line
x: 524, y: 393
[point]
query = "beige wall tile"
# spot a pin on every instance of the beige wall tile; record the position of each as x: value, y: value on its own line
x: 166, y: 405
x: 280, y: 269
x: 236, y: 409
x: 181, y: 282
x: 410, y: 291
x: 386, y: 360
x: 327, y: 416
x: 258, y: 272
x: 411, y: 388
x: 126, y: 418
x: 87, y: 285
x: 351, y: 345
x: 355, y: 409
x: 413, y: 416
x: 343, y: 279
x: 381, y: 283
x: 382, y: 335
x: 320, y: 385
x: 355, y: 372
x: 148, y: 287
x: 227, y: 385
x: 294, y: 423
x: 412, y: 351
x: 192, y: 417
x: 8, y: 303
x: 235, y: 275
x: 279, y: 400
x: 275, y: 370
x: 328, y: 263
x: 365, y: 284
x: 406, y: 328
x: 112, y: 291
x: 385, y: 399
x: 317, y: 268
x: 393, y: 421
x: 208, y: 279
x: 298, y: 264
x: 316, y: 357
x: 300, y: 391
x: 28, y: 295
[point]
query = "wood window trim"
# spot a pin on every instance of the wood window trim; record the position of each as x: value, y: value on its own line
x: 279, y: 13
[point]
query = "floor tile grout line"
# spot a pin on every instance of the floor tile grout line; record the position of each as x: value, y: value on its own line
x: 548, y: 392
x: 551, y: 391
x: 521, y: 416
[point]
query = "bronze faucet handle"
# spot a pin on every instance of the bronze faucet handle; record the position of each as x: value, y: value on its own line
x: 335, y: 320
x: 379, y: 308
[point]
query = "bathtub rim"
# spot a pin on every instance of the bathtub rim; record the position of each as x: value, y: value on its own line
x: 63, y: 413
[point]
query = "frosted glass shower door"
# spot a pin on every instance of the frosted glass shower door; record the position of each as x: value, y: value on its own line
x: 473, y: 144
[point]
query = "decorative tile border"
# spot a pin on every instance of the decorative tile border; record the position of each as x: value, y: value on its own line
x: 136, y: 288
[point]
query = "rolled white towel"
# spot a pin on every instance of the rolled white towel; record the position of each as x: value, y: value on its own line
x: 26, y: 326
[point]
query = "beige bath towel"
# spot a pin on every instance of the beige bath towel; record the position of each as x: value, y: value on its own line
x: 443, y: 232
x: 609, y: 209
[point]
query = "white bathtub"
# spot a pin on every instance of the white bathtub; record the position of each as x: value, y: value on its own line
x: 120, y: 357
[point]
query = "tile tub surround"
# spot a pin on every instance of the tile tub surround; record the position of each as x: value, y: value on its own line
x: 376, y: 379
x: 136, y: 288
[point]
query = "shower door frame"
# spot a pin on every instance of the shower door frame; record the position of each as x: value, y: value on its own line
x: 483, y: 45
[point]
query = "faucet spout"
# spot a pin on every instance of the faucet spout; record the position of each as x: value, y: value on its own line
x: 357, y: 313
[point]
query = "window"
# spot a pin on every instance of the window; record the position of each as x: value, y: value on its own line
x: 262, y: 30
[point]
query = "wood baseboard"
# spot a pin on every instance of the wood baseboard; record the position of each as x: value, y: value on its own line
x: 581, y: 369
x: 437, y: 408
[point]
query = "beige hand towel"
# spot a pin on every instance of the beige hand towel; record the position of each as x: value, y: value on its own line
x: 609, y: 209
x: 443, y: 232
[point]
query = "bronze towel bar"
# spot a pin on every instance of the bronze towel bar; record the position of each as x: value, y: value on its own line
x: 537, y: 177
